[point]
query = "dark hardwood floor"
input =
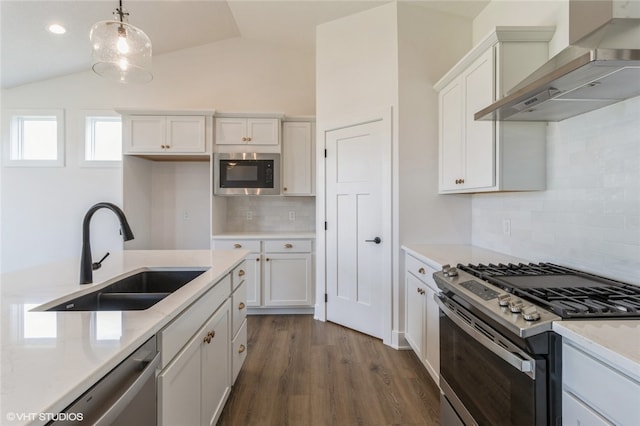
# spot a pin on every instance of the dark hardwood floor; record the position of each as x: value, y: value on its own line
x: 302, y: 372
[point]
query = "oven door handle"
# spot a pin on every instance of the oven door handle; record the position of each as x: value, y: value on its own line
x: 518, y: 360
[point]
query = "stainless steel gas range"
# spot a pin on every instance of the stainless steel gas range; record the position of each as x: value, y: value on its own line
x: 500, y: 362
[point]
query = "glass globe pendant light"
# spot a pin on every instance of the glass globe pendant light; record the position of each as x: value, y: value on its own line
x: 121, y: 51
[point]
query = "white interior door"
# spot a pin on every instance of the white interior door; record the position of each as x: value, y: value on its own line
x: 358, y: 213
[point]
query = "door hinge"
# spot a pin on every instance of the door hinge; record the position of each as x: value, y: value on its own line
x: 325, y: 225
x: 325, y: 153
x: 326, y: 298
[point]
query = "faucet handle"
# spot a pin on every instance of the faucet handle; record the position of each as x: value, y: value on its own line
x: 98, y: 265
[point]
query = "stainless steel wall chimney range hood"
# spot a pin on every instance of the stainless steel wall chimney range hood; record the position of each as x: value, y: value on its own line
x: 600, y: 69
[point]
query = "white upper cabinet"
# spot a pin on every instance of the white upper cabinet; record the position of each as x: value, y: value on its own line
x: 483, y: 156
x: 164, y: 134
x: 247, y: 132
x: 298, y: 158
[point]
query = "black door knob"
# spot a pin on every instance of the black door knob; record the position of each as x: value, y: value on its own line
x: 376, y: 240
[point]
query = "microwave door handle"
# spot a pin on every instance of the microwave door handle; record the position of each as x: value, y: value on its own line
x: 518, y: 360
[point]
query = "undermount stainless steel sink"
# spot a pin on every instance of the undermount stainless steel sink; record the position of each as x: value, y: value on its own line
x: 133, y: 293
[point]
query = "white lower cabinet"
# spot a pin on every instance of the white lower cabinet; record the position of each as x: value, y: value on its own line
x: 596, y: 393
x: 199, y: 361
x: 422, y: 329
x: 287, y: 279
x: 279, y: 272
x: 195, y: 386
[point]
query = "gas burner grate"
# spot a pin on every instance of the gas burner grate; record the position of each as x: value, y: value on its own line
x: 567, y: 292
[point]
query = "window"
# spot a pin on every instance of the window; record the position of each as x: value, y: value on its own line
x: 35, y: 138
x: 103, y: 140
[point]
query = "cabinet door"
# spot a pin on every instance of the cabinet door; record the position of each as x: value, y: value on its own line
x: 576, y: 413
x: 451, y: 136
x: 186, y: 134
x: 432, y: 334
x: 253, y: 278
x: 263, y: 131
x: 179, y: 388
x: 231, y: 131
x: 479, y: 136
x: 144, y: 134
x: 297, y: 159
x: 287, y: 279
x: 415, y: 314
x: 215, y: 364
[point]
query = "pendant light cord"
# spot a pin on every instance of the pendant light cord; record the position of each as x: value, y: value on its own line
x: 121, y: 12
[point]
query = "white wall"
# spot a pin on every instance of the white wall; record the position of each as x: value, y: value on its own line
x: 42, y: 209
x: 522, y: 13
x: 589, y: 216
x: 385, y: 57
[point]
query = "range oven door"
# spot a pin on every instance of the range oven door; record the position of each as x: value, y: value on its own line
x: 484, y: 377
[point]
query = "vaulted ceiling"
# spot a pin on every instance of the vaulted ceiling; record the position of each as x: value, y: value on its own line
x: 31, y: 53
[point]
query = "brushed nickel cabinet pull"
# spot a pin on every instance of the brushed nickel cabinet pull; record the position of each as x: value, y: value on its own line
x: 241, y: 349
x: 288, y: 245
x: 241, y: 273
x: 421, y: 270
x: 236, y: 245
x: 241, y: 306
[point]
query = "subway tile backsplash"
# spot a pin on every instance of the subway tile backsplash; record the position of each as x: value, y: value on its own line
x: 271, y: 214
x: 589, y: 216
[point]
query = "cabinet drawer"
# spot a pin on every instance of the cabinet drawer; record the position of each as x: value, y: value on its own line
x: 238, y: 307
x: 251, y: 245
x: 602, y: 388
x: 423, y: 272
x: 287, y: 246
x: 238, y: 275
x: 172, y: 338
x: 575, y: 413
x: 238, y: 351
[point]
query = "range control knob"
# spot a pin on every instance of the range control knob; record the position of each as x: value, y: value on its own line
x: 445, y: 269
x: 503, y: 300
x: 530, y: 313
x: 453, y: 272
x: 516, y: 306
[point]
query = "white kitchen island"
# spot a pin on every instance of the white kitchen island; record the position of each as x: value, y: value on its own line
x: 50, y: 358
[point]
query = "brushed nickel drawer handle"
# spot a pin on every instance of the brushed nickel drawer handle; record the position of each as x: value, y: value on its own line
x: 236, y: 245
x: 241, y: 306
x: 241, y: 349
x: 421, y: 271
x: 288, y: 245
x: 241, y: 273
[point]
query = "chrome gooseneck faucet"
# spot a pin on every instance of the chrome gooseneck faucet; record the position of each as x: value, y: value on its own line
x: 86, y: 264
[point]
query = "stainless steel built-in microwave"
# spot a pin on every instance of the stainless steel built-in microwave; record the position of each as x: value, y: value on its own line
x: 246, y: 174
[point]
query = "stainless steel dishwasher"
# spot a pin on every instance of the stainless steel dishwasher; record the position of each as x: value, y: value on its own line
x: 125, y: 396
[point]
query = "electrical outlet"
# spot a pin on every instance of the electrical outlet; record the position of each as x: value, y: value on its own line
x: 506, y: 227
x: 249, y: 215
x: 292, y: 215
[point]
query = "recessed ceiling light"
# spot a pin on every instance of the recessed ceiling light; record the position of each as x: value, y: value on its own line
x: 57, y: 29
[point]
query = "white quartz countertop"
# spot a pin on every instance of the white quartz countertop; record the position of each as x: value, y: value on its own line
x: 436, y: 255
x: 263, y: 235
x: 51, y: 358
x: 617, y: 342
